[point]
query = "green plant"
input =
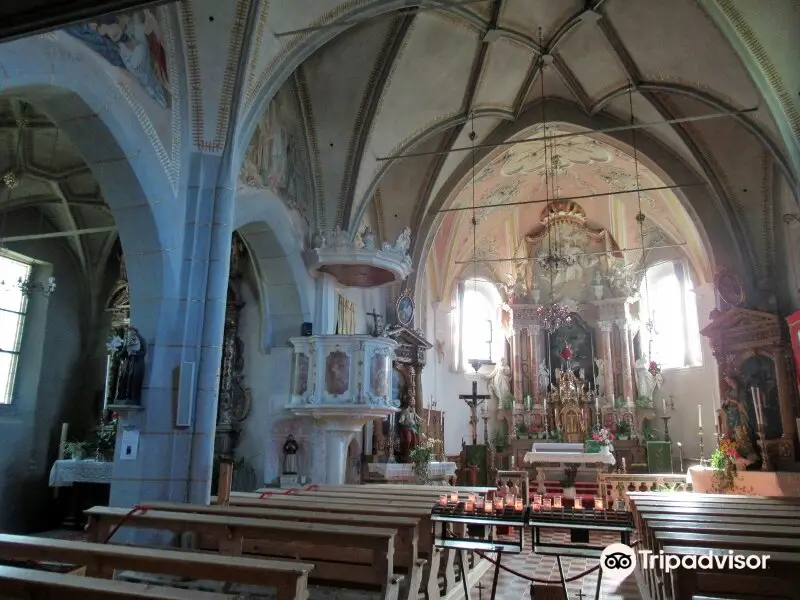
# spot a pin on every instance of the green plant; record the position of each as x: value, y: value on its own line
x: 723, y: 462
x: 669, y: 487
x: 421, y: 455
x: 520, y: 430
x: 650, y: 433
x: 508, y: 402
x: 556, y: 435
x: 107, y: 434
x: 75, y: 449
x: 499, y: 439
x: 644, y: 402
x: 624, y: 429
x: 570, y: 474
x: 619, y: 402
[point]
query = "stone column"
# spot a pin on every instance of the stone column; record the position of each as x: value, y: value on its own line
x: 788, y: 423
x: 608, y: 360
x: 516, y: 366
x: 626, y: 366
x: 419, y: 402
x: 534, y: 333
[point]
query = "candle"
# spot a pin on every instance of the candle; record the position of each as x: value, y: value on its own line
x: 628, y: 400
x: 664, y: 404
x: 547, y: 503
x: 498, y: 504
x: 454, y: 497
x: 578, y: 504
x: 518, y: 504
x: 557, y: 502
x: 597, y: 404
x: 487, y: 508
x: 443, y: 500
x: 510, y: 500
x: 700, y: 416
x: 480, y: 503
x: 469, y: 505
x: 598, y: 504
x: 63, y: 439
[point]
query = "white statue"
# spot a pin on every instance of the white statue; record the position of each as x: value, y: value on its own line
x: 601, y: 377
x: 499, y: 381
x: 403, y: 242
x: 368, y: 238
x: 645, y: 381
x: 543, y: 377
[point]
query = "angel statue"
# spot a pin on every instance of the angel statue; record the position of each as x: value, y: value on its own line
x: 646, y: 382
x: 499, y: 381
x: 403, y: 242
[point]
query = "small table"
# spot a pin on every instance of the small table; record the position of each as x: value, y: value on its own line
x: 586, y: 520
x: 78, y: 474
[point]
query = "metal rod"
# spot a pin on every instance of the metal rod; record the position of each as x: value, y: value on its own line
x: 57, y: 234
x: 599, y: 252
x: 435, y: 5
x: 581, y: 197
x: 569, y: 135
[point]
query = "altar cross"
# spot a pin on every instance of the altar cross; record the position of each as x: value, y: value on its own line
x: 375, y: 316
x: 474, y: 400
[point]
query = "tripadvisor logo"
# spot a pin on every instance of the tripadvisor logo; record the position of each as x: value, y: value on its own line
x: 619, y: 560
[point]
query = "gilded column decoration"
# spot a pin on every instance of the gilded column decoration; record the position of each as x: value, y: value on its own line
x: 607, y: 368
x: 234, y: 399
x: 627, y: 370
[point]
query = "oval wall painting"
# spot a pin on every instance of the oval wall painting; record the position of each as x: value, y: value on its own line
x: 405, y: 310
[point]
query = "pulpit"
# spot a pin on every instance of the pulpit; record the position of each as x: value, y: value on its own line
x: 340, y: 382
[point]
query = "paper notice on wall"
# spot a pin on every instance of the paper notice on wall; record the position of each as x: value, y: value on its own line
x: 130, y: 444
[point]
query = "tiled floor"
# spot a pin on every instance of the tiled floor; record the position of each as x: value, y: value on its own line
x: 511, y: 587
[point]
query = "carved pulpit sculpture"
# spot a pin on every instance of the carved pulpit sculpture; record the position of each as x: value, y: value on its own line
x: 474, y: 400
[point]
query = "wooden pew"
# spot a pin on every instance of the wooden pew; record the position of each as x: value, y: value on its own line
x: 780, y: 580
x: 317, y: 543
x: 391, y: 499
x: 24, y: 584
x: 386, y: 490
x: 290, y: 579
x: 406, y: 540
x: 368, y: 507
x: 714, y: 498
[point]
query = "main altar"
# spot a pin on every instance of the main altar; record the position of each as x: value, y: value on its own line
x: 583, y: 368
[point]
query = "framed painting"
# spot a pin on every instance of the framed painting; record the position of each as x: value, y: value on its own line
x: 405, y: 310
x: 794, y: 334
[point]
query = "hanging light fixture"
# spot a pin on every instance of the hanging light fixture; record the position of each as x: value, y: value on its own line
x: 555, y: 314
x: 27, y: 286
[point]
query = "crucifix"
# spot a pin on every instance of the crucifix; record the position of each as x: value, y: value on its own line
x: 474, y: 400
x: 375, y: 316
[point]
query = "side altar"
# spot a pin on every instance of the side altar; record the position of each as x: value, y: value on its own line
x: 340, y: 382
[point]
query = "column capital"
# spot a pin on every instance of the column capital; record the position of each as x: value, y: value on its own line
x: 605, y: 326
x: 623, y: 324
x: 534, y: 329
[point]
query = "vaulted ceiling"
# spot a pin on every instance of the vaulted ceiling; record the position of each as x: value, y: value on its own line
x: 419, y: 82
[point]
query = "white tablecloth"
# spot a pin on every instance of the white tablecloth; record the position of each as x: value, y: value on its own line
x: 390, y: 471
x: 605, y: 456
x: 757, y: 483
x: 66, y: 472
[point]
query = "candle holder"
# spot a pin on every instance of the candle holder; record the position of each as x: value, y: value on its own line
x: 702, y: 449
x: 766, y: 464
x: 666, y: 428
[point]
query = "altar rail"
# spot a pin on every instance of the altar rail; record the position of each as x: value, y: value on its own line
x: 617, y: 485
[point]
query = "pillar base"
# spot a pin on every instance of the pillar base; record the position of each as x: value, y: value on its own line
x: 336, y: 425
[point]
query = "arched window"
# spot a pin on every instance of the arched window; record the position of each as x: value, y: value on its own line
x: 667, y: 298
x: 481, y: 337
x: 13, y: 305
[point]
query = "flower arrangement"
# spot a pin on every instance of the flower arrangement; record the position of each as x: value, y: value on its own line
x: 107, y: 435
x: 623, y: 429
x: 421, y: 456
x: 723, y: 462
x: 603, y: 436
x: 654, y: 368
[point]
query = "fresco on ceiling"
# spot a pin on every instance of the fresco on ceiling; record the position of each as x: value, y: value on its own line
x: 529, y: 157
x: 133, y: 42
x: 502, y: 194
x: 276, y: 158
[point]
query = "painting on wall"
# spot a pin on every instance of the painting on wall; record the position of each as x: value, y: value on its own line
x: 337, y: 373
x: 134, y: 42
x: 276, y: 158
x: 379, y: 375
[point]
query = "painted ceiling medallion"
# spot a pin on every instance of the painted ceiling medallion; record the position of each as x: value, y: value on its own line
x: 528, y: 157
x: 360, y: 263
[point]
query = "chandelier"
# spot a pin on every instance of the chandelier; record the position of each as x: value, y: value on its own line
x: 553, y: 262
x: 28, y: 287
x: 553, y: 316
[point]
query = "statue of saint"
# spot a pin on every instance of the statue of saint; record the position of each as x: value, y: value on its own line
x: 499, y: 381
x: 131, y: 369
x: 737, y: 420
x: 409, y: 427
x: 543, y: 378
x: 645, y: 381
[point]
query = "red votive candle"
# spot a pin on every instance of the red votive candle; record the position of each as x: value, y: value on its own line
x: 454, y: 497
x: 518, y: 505
x: 598, y: 504
x: 443, y: 500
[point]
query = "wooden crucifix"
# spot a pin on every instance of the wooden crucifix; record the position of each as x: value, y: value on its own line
x: 474, y: 400
x: 375, y: 316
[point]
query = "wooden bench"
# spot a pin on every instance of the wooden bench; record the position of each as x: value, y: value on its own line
x: 289, y: 579
x: 779, y: 581
x: 24, y: 584
x: 406, y: 540
x: 387, y: 490
x: 367, y: 507
x: 369, y: 558
x: 714, y: 498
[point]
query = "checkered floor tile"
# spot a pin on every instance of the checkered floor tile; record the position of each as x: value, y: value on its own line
x: 512, y: 587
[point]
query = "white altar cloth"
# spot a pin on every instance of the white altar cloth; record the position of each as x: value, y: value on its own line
x: 404, y: 471
x: 66, y: 472
x: 569, y: 453
x: 755, y: 483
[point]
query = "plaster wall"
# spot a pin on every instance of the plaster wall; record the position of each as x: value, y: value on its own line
x: 59, y: 339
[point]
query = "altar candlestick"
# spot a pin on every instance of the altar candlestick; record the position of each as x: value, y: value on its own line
x: 597, y: 404
x: 664, y: 404
x: 699, y: 415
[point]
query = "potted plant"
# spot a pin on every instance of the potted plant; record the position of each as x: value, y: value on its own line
x: 75, y: 450
x: 724, y: 463
x: 520, y: 430
x: 624, y: 430
x: 499, y: 439
x: 421, y: 456
x: 568, y: 482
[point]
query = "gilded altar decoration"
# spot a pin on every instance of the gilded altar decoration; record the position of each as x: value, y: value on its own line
x: 337, y: 373
x: 301, y: 374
